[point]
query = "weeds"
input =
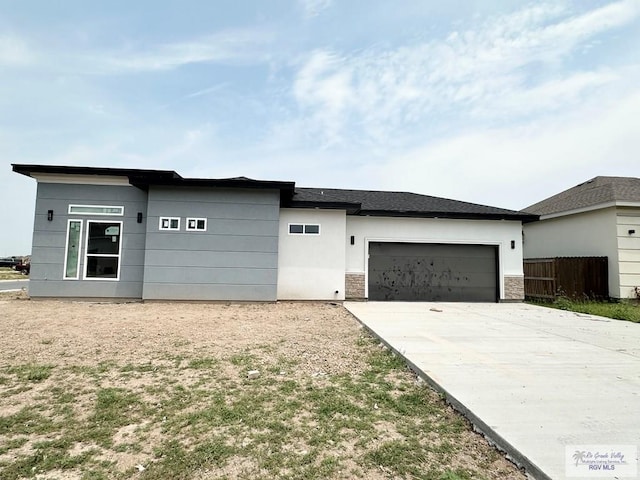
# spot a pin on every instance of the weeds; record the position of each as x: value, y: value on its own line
x: 623, y: 310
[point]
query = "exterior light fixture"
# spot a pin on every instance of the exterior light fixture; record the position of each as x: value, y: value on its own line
x: 49, y: 215
x: 139, y: 217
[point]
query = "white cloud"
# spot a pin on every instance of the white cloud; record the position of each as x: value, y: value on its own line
x: 324, y: 87
x: 547, y: 97
x: 206, y: 91
x: 14, y: 51
x: 157, y: 146
x: 228, y: 46
x: 584, y: 26
x: 313, y: 8
x: 385, y: 93
x: 515, y: 166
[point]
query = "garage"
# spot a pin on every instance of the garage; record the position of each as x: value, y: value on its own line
x: 432, y: 272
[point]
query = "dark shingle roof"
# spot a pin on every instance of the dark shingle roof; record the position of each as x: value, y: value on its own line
x: 29, y: 169
x: 368, y: 202
x: 355, y: 202
x: 144, y: 178
x: 598, y: 190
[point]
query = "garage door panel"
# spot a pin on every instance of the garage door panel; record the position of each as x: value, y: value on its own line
x: 432, y: 264
x: 443, y: 250
x: 433, y: 294
x: 432, y: 272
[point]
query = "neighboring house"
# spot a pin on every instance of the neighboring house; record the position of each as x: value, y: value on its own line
x: 600, y: 217
x: 154, y: 235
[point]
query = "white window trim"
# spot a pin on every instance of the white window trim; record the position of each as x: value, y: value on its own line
x: 196, y: 220
x: 66, y: 250
x: 97, y: 213
x: 169, y: 229
x: 304, y: 225
x: 87, y: 255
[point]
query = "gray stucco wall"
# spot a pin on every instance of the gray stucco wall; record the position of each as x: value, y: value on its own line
x: 235, y: 259
x: 49, y: 239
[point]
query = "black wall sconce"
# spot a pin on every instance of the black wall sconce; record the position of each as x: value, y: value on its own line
x: 513, y: 244
x: 353, y: 240
x: 49, y: 215
x: 631, y: 232
x: 139, y: 217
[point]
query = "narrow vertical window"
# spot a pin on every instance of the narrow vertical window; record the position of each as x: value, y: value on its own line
x: 72, y: 250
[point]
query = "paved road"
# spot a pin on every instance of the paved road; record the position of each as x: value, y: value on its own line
x: 534, y: 379
x: 7, y: 285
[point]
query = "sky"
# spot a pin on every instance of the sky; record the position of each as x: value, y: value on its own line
x: 497, y: 102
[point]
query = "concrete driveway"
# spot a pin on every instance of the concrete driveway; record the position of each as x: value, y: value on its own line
x: 535, y: 380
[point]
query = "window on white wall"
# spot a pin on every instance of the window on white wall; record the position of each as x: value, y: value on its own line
x: 169, y: 223
x: 304, y: 229
x: 197, y: 224
x: 102, y: 251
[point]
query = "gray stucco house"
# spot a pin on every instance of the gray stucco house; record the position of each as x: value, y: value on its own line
x: 154, y: 235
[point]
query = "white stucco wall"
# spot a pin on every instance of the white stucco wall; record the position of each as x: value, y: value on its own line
x: 580, y: 235
x: 434, y: 230
x: 311, y: 267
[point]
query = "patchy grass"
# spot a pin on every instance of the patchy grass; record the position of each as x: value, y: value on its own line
x: 193, y: 413
x: 277, y: 426
x: 7, y: 273
x: 31, y: 372
x: 623, y: 310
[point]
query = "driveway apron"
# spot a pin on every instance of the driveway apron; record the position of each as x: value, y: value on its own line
x: 535, y: 380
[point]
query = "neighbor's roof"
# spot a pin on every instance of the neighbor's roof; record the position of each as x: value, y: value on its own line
x: 400, y: 204
x: 594, y: 192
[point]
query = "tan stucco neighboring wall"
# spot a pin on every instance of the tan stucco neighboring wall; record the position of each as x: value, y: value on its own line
x: 585, y: 234
x: 628, y: 221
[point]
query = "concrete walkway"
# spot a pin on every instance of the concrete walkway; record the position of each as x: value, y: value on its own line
x: 533, y: 379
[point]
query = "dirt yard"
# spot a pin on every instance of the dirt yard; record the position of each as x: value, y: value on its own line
x: 162, y: 390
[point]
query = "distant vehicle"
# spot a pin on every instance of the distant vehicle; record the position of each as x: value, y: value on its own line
x: 9, y: 262
x: 25, y: 268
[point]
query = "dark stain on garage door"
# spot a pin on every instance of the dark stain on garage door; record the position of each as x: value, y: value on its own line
x: 433, y: 272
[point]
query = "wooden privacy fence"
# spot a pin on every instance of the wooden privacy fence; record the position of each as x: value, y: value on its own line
x: 573, y: 277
